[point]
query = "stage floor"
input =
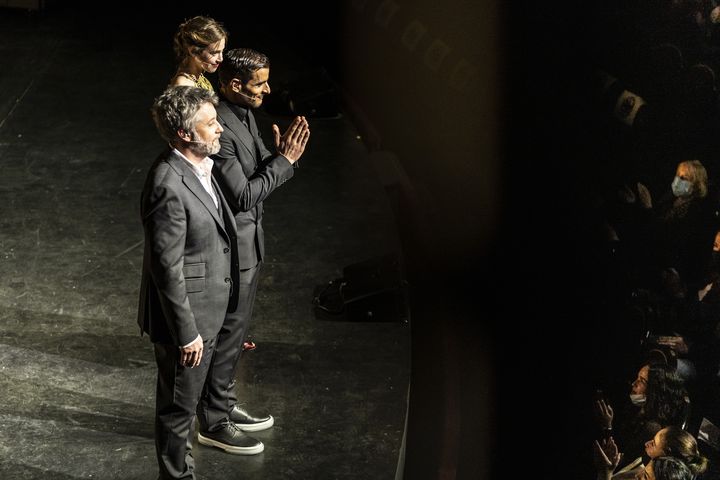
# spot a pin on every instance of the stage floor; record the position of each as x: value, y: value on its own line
x: 76, y: 379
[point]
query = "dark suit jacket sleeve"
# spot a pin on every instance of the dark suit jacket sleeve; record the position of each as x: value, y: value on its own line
x: 164, y: 222
x: 264, y: 152
x: 243, y: 193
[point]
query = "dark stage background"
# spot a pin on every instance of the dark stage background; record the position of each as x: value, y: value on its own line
x: 475, y: 114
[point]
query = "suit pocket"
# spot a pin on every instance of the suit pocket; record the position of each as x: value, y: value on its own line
x: 194, y: 274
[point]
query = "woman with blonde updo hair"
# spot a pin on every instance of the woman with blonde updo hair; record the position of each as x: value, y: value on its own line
x: 671, y: 441
x: 199, y: 44
x: 678, y: 443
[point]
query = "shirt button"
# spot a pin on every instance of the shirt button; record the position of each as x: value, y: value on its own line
x: 226, y: 250
x: 227, y: 280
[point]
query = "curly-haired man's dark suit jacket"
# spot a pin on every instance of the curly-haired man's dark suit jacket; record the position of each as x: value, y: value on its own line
x: 189, y: 278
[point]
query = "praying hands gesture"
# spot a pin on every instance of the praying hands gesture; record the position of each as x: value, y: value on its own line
x: 291, y: 144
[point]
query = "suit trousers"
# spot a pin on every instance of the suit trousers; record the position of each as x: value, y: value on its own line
x: 178, y: 392
x: 219, y: 398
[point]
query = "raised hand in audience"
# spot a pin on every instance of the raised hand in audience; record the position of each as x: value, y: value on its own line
x: 606, y: 457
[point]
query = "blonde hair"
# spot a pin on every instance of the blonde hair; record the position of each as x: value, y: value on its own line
x: 196, y: 34
x: 700, y: 176
x: 681, y: 444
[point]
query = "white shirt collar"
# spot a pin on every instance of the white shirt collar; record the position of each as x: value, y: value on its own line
x: 200, y: 170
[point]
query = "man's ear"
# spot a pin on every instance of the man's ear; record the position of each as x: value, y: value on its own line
x: 236, y: 85
x: 184, y: 135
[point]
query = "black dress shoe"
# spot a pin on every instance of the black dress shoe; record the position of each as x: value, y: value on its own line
x: 231, y: 439
x: 247, y: 422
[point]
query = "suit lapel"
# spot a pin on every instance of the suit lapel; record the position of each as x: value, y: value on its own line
x: 193, y: 184
x: 230, y: 121
x: 228, y: 217
x: 255, y: 136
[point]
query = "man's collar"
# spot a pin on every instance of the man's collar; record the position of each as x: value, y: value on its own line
x: 241, y: 112
x: 203, y: 169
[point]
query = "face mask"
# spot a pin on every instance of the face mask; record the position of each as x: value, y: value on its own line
x: 680, y: 187
x: 637, y: 399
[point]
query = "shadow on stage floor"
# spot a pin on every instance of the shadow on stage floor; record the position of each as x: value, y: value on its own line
x: 77, y: 380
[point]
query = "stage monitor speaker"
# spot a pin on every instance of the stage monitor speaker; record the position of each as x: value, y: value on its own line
x: 370, y: 291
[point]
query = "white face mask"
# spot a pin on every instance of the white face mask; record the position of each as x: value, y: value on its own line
x: 681, y: 188
x: 637, y: 399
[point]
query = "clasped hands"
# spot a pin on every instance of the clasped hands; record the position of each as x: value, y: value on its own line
x: 291, y: 144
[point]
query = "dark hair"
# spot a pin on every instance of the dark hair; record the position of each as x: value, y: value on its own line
x: 176, y: 109
x: 197, y: 34
x: 665, y: 395
x: 241, y: 63
x: 670, y: 468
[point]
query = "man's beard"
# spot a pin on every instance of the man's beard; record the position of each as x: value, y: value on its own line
x: 205, y: 149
